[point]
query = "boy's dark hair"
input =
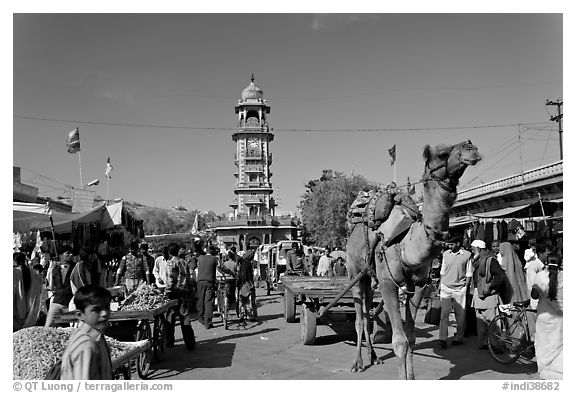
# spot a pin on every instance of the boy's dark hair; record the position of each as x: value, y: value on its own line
x: 91, y: 294
x: 173, y: 249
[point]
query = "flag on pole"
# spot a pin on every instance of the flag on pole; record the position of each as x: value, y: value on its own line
x: 392, y: 153
x: 108, y: 168
x: 194, y: 229
x: 412, y: 190
x: 73, y: 142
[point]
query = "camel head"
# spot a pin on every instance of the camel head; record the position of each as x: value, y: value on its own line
x: 446, y: 163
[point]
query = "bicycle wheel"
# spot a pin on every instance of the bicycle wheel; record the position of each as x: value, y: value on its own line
x: 225, y: 311
x: 505, y: 339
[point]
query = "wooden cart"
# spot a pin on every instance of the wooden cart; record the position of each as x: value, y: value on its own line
x: 317, y: 295
x: 132, y: 325
x: 122, y: 365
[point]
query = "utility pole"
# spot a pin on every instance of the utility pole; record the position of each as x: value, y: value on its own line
x: 558, y: 118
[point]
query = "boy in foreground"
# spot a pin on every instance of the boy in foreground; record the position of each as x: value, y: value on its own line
x: 87, y: 355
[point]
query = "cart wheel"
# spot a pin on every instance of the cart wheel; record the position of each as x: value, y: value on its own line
x: 289, y: 307
x: 123, y: 372
x: 143, y: 361
x: 188, y: 336
x: 307, y: 325
x: 159, y: 337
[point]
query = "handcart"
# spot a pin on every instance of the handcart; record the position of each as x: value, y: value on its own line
x: 122, y: 365
x: 317, y: 296
x: 134, y: 325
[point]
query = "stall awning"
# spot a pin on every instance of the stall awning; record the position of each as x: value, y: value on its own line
x: 500, y: 212
x: 457, y: 221
x: 32, y: 216
x: 227, y: 239
x: 29, y: 216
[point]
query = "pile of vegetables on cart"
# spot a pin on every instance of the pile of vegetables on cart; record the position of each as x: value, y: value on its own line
x: 145, y: 297
x: 37, y: 348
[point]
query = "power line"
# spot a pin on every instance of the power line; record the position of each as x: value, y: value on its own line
x: 142, y: 125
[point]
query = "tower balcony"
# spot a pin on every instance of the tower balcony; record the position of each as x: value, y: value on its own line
x: 254, y: 168
x: 254, y: 200
x: 253, y: 186
x: 252, y: 125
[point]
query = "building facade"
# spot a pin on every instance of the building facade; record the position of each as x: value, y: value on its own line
x: 252, y: 220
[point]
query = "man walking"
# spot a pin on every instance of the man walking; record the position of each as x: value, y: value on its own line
x: 206, y: 282
x: 148, y: 262
x: 488, y: 280
x: 455, y: 275
x: 132, y: 270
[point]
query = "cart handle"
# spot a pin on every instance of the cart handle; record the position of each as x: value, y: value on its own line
x: 323, y: 310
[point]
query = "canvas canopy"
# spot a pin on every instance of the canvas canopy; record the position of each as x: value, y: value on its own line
x: 30, y: 216
x: 33, y: 216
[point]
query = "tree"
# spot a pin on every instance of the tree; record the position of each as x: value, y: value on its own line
x: 324, y: 207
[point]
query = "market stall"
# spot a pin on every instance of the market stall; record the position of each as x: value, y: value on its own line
x: 142, y: 316
x: 539, y: 220
x: 36, y: 349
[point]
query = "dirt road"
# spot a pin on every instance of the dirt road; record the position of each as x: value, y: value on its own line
x: 271, y: 350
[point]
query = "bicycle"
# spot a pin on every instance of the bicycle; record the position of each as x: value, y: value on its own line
x: 509, y: 334
x: 222, y: 303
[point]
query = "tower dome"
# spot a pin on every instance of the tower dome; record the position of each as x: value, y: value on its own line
x: 252, y: 91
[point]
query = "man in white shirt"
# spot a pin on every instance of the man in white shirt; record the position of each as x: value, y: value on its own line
x: 159, y: 270
x: 455, y: 275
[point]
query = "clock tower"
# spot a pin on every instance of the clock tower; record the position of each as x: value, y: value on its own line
x: 253, y: 158
x: 253, y: 220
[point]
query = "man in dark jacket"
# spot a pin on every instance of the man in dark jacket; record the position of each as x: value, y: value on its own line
x: 488, y: 283
x: 177, y: 275
x: 61, y: 286
x: 206, y: 286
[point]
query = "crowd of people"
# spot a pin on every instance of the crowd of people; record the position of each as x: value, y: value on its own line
x: 479, y: 280
x: 472, y: 282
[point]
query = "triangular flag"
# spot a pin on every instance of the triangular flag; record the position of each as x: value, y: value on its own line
x: 194, y: 229
x: 108, y: 168
x: 392, y: 153
x: 94, y: 182
x: 73, y: 142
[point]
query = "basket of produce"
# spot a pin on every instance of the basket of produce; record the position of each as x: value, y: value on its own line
x: 36, y: 349
x: 145, y: 298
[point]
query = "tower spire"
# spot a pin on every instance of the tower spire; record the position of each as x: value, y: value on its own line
x: 252, y: 79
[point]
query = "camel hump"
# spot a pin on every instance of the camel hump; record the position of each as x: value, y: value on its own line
x: 375, y: 207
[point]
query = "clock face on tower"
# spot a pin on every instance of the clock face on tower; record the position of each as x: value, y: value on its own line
x: 253, y: 143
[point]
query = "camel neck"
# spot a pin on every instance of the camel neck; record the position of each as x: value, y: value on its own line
x: 437, y: 206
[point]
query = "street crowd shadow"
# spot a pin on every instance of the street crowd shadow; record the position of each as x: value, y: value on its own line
x: 182, y: 360
x: 467, y: 359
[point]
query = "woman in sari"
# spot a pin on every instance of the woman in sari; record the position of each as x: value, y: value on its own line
x: 516, y: 290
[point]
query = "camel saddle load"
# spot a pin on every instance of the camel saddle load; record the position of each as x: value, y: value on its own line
x: 389, y: 211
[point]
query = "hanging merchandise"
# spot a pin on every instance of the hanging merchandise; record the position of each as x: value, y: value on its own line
x: 488, y: 233
x: 503, y: 231
x: 480, y: 232
x: 496, y: 231
x: 530, y: 225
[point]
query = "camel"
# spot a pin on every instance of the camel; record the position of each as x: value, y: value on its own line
x: 407, y: 261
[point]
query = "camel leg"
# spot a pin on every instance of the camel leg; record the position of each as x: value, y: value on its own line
x: 412, y: 305
x: 358, y: 295
x: 389, y: 292
x: 367, y: 306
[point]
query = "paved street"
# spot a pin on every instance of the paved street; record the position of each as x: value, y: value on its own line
x: 271, y: 350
